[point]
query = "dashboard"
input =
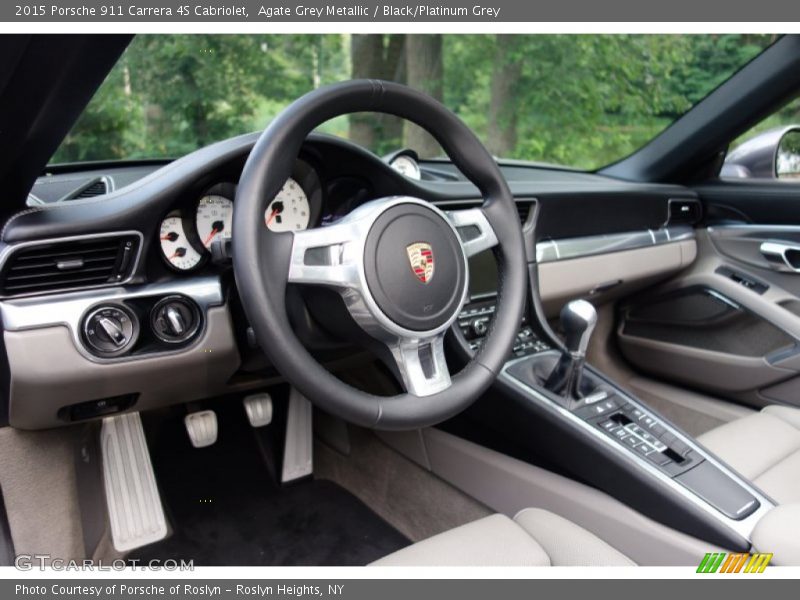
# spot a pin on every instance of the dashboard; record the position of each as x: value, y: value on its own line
x: 117, y: 290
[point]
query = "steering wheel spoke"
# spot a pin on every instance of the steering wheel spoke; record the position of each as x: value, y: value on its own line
x: 474, y: 229
x: 326, y: 256
x: 422, y: 365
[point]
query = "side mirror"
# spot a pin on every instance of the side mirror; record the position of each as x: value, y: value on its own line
x: 787, y: 156
x: 773, y: 154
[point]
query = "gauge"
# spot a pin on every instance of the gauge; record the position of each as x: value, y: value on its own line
x: 406, y: 165
x: 176, y: 247
x: 214, y: 217
x: 289, y: 210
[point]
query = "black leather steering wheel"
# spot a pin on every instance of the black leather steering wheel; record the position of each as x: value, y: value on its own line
x: 399, y: 263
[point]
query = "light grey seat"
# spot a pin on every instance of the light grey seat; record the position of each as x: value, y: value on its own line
x: 534, y: 538
x: 765, y: 448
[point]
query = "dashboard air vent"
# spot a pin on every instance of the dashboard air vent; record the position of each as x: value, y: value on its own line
x: 524, y: 206
x: 69, y: 264
x: 98, y: 187
x: 684, y: 211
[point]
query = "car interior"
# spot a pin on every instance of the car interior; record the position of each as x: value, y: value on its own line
x: 284, y: 349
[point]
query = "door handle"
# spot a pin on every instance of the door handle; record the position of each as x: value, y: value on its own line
x: 781, y: 256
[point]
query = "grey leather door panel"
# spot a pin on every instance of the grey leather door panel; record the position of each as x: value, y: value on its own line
x: 754, y: 356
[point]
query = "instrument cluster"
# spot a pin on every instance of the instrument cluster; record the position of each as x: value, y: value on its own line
x: 187, y: 234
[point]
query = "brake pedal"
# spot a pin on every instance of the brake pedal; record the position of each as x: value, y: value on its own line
x: 202, y: 428
x: 134, y: 504
x: 259, y: 409
x: 298, y: 459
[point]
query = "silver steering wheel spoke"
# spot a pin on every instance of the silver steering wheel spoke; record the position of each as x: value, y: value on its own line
x: 421, y: 364
x: 327, y: 256
x: 474, y: 229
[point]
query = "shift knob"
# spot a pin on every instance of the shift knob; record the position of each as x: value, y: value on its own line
x: 578, y: 319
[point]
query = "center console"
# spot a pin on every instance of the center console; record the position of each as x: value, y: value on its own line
x: 698, y: 493
x: 562, y: 411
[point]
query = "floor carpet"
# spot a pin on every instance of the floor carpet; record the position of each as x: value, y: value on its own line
x: 226, y: 509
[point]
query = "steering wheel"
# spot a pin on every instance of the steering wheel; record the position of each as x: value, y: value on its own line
x: 399, y: 263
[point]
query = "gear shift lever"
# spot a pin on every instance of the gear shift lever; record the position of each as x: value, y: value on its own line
x: 578, y: 319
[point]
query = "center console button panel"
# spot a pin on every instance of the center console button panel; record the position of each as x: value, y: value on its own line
x: 474, y: 324
x: 630, y: 425
x: 631, y: 428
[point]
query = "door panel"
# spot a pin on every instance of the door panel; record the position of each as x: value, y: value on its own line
x: 730, y: 324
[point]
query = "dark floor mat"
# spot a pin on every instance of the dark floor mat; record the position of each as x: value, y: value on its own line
x: 227, y: 510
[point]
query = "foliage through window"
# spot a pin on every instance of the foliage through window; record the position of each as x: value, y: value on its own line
x: 575, y: 100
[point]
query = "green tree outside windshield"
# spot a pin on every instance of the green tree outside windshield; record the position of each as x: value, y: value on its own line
x: 576, y: 100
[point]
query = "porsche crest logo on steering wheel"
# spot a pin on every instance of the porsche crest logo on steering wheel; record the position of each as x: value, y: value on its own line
x: 420, y: 256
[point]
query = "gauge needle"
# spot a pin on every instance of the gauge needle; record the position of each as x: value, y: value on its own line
x: 170, y: 237
x: 277, y: 208
x: 216, y: 227
x: 210, y: 237
x: 178, y: 253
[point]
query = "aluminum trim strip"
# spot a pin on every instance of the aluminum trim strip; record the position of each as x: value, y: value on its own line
x: 564, y: 249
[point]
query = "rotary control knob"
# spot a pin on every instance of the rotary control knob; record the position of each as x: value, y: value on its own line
x: 480, y: 326
x: 110, y: 330
x: 175, y: 319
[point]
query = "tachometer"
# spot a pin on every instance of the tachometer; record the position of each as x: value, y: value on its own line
x: 289, y: 210
x: 214, y: 217
x: 175, y: 247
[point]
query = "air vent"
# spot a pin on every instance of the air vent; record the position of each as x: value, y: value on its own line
x: 69, y: 264
x: 524, y: 206
x: 684, y: 211
x: 98, y: 187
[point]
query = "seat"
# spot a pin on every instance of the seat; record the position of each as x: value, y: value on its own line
x: 765, y: 448
x: 534, y: 538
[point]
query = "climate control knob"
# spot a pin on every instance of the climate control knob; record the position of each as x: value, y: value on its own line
x: 110, y: 330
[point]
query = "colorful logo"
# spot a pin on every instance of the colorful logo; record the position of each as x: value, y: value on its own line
x: 420, y: 255
x: 722, y: 562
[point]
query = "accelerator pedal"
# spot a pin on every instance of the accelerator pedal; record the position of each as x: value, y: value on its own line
x: 298, y: 447
x: 134, y: 504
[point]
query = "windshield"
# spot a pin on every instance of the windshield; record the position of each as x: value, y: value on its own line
x: 581, y: 101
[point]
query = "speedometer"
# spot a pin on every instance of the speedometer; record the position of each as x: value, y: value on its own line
x: 176, y: 247
x: 214, y: 218
x: 289, y: 210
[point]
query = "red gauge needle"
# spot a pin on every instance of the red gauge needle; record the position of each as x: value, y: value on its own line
x: 277, y: 208
x: 210, y: 237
